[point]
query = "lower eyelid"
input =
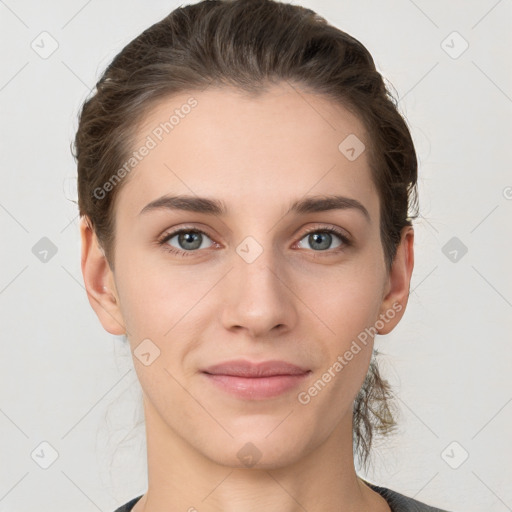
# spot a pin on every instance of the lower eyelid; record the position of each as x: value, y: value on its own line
x: 345, y: 241
x: 169, y: 236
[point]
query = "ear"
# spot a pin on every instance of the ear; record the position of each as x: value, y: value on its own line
x: 99, y: 281
x: 396, y: 293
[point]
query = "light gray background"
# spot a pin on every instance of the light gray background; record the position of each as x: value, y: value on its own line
x: 67, y: 382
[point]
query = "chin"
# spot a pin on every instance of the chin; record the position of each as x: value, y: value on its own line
x: 261, y: 449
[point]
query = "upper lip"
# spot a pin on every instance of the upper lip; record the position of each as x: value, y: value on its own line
x: 242, y: 368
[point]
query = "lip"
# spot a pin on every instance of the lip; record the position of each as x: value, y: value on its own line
x: 255, y: 381
x: 243, y: 368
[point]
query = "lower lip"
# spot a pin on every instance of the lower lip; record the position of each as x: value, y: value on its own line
x: 257, y: 388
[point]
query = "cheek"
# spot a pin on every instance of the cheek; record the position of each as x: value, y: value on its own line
x: 153, y: 297
x: 350, y: 307
x: 346, y: 301
x: 347, y: 353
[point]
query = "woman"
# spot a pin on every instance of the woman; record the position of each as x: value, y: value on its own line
x: 244, y: 185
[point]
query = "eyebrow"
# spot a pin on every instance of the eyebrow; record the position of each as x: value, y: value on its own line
x: 215, y: 207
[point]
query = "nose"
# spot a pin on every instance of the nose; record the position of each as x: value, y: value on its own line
x: 258, y: 296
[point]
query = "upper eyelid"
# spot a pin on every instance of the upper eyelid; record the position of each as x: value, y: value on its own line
x: 168, y: 235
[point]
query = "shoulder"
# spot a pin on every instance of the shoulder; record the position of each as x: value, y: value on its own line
x: 127, y: 507
x: 401, y: 503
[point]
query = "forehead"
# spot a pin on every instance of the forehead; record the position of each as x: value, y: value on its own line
x: 278, y: 145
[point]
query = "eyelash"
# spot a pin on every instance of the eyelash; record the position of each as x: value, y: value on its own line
x: 167, y: 236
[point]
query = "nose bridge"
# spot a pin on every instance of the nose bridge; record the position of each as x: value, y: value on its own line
x: 259, y: 299
x: 257, y: 265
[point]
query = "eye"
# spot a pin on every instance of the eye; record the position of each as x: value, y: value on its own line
x: 321, y: 239
x: 187, y: 241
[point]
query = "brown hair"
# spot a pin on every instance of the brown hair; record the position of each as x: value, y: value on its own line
x: 250, y: 44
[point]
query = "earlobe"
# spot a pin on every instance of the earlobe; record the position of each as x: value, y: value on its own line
x: 399, y: 279
x: 99, y: 281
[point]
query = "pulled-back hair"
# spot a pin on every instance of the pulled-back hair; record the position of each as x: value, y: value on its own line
x: 250, y: 45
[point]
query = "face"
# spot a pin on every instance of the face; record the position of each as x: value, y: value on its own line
x: 252, y: 265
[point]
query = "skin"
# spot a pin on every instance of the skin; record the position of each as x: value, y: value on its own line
x: 295, y: 302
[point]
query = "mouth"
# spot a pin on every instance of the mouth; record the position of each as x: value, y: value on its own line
x: 256, y: 381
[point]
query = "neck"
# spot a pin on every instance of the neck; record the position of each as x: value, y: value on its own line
x: 182, y: 478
